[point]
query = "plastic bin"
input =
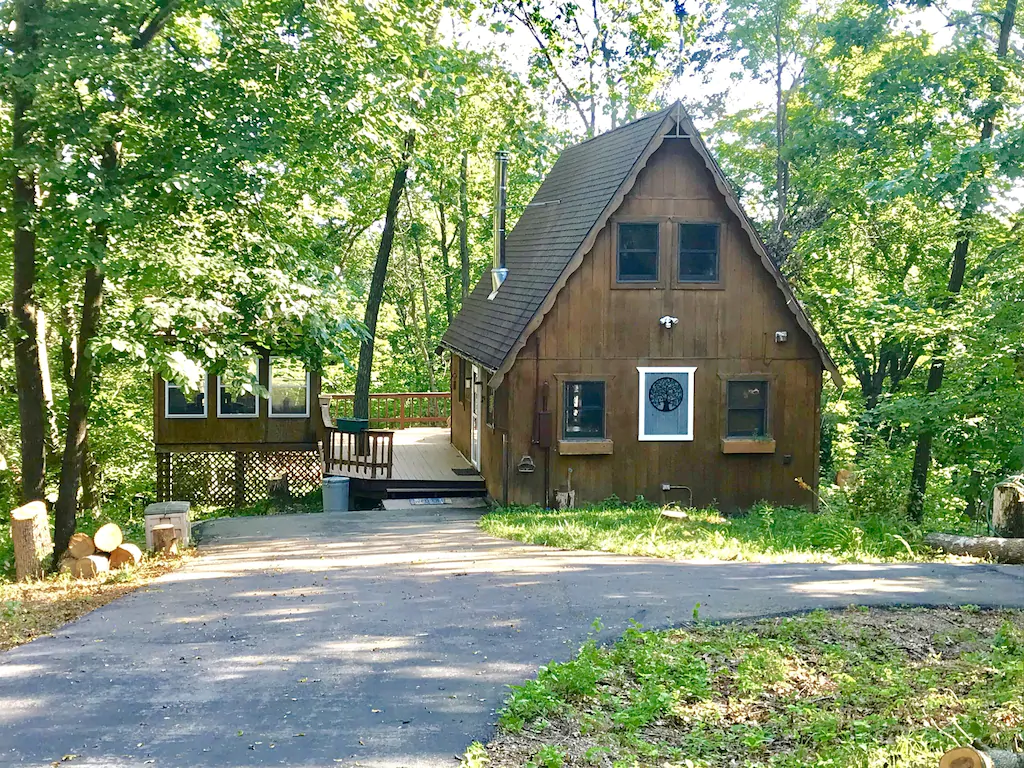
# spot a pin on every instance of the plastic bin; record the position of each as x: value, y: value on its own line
x: 335, y: 494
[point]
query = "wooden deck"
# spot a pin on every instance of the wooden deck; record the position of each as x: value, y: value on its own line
x: 421, y: 455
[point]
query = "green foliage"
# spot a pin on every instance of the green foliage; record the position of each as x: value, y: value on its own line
x: 841, y: 532
x: 852, y: 689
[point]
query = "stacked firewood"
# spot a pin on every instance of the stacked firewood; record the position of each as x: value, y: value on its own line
x: 106, y: 550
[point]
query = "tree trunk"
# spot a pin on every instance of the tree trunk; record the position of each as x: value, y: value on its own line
x: 79, y: 402
x: 90, y: 467
x: 361, y: 405
x: 464, y: 223
x: 989, y: 547
x: 28, y: 372
x: 781, y: 166
x: 981, y: 757
x: 958, y: 268
x: 52, y: 432
x: 446, y: 267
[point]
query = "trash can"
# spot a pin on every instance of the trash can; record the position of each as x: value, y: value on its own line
x: 335, y: 494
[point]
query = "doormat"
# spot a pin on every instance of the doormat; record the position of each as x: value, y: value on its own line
x: 464, y: 471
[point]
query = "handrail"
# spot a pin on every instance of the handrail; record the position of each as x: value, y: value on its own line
x: 396, y: 410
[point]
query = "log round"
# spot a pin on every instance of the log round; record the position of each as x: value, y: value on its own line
x: 969, y: 757
x: 90, y: 566
x: 108, y: 537
x: 30, y: 535
x: 126, y: 554
x: 81, y: 546
x: 67, y: 564
x: 991, y: 547
x: 164, y: 539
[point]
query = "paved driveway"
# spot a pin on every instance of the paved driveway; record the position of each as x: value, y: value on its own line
x: 374, y: 639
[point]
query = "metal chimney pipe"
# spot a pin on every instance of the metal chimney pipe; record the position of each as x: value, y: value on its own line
x: 498, y: 269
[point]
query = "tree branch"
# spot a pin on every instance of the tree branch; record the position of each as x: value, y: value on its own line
x: 151, y: 28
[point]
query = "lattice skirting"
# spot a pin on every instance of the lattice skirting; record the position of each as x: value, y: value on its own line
x: 234, y: 478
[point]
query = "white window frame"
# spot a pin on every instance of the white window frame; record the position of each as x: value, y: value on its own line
x: 642, y: 403
x: 256, y: 415
x: 270, y: 398
x: 167, y: 401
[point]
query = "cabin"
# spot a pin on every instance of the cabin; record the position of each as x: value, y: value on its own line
x: 221, y: 447
x: 634, y: 338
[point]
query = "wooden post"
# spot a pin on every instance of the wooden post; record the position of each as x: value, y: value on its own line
x: 1008, y: 508
x: 30, y: 534
x: 239, y: 479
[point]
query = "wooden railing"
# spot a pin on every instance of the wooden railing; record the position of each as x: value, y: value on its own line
x: 397, y: 410
x: 368, y: 454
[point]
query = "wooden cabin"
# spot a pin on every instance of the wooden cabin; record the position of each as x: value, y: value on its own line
x: 641, y: 342
x: 216, y: 447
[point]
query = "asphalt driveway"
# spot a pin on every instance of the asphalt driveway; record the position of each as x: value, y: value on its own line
x: 375, y: 639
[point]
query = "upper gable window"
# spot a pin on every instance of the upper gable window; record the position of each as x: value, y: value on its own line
x: 637, y: 260
x: 698, y: 253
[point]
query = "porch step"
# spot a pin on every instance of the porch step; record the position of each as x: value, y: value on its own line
x: 460, y: 490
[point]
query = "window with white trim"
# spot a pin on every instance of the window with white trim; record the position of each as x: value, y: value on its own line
x: 289, y: 389
x: 666, y: 403
x: 236, y: 396
x: 182, y: 404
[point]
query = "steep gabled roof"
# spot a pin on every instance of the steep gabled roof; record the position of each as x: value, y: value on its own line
x: 584, y: 188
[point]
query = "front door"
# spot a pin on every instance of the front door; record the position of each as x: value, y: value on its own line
x: 476, y: 390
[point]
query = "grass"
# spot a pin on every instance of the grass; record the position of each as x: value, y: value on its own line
x: 858, y: 688
x: 36, y: 608
x: 764, y: 534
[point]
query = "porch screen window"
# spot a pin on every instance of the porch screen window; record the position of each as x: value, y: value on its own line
x: 637, y: 253
x: 235, y: 396
x: 583, y: 410
x: 666, y: 403
x: 289, y: 389
x: 698, y: 253
x: 179, y: 404
x: 747, y: 409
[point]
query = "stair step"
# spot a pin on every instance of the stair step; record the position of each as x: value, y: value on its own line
x: 465, y: 490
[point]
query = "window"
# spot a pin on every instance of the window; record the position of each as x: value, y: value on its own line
x: 746, y: 409
x: 583, y: 410
x: 698, y: 253
x: 235, y: 396
x: 638, y: 254
x: 666, y: 403
x: 181, y: 405
x: 289, y: 389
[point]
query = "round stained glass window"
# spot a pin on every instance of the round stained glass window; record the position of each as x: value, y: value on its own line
x: 665, y: 394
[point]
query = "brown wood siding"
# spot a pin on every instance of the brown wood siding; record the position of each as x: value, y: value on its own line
x: 227, y: 433
x: 599, y: 328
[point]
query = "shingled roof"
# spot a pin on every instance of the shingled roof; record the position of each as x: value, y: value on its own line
x: 584, y: 188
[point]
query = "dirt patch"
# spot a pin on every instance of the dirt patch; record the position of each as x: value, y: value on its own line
x: 36, y: 608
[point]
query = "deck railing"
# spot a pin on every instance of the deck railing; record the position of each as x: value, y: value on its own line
x: 397, y: 410
x: 367, y: 454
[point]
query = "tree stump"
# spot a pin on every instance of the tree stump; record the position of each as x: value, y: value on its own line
x: 126, y: 554
x: 1008, y: 508
x: 30, y: 534
x: 81, y: 545
x: 1001, y: 550
x: 969, y: 757
x: 87, y: 567
x: 108, y: 537
x: 164, y: 539
x: 277, y: 488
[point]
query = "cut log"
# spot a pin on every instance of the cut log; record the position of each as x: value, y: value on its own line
x: 1001, y: 550
x: 126, y: 554
x: 1008, y: 508
x: 30, y: 534
x: 87, y: 567
x: 164, y: 539
x: 67, y: 564
x: 81, y: 546
x: 983, y: 757
x: 108, y: 537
